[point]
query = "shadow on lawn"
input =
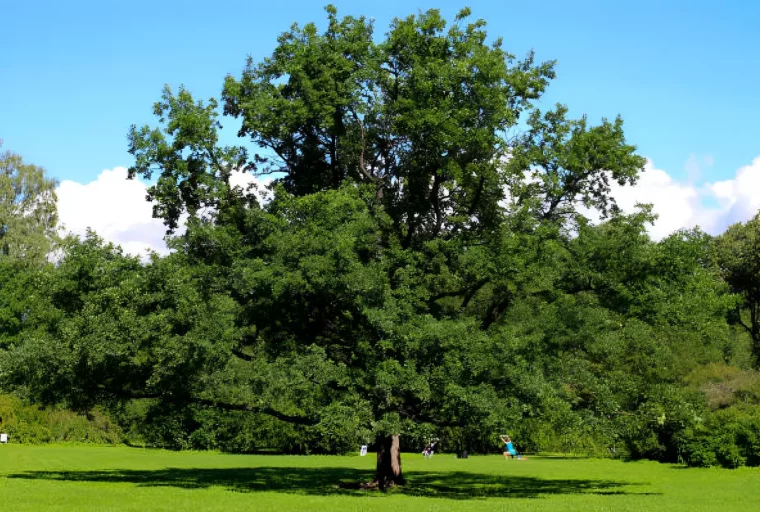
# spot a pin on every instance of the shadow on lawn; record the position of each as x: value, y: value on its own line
x: 325, y: 481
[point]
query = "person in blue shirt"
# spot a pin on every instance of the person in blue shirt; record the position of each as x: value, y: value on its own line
x: 507, y: 447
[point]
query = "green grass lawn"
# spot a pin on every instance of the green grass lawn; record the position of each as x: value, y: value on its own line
x: 75, y: 478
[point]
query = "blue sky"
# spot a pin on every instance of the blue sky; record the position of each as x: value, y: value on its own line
x: 75, y: 75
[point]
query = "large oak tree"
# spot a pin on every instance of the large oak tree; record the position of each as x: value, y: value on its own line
x: 403, y: 221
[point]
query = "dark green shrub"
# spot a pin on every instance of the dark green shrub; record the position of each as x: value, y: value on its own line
x: 729, y: 437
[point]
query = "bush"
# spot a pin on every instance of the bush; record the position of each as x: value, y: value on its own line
x: 27, y: 424
x: 729, y: 437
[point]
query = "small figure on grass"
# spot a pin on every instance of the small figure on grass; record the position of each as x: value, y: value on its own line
x: 508, y: 448
x: 429, y: 449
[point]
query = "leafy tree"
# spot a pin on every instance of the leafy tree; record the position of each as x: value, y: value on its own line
x: 415, y: 271
x: 737, y: 253
x: 386, y: 257
x: 28, y: 213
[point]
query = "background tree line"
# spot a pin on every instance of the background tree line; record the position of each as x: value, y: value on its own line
x: 419, y: 267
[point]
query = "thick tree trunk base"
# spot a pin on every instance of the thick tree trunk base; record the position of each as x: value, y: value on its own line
x: 388, y: 473
x: 388, y: 470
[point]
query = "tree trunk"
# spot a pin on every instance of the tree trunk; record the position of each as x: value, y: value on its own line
x: 389, y: 463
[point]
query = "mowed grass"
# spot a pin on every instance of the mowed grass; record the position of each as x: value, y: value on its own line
x: 77, y: 478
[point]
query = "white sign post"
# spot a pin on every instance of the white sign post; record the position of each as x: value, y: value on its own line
x: 4, y: 438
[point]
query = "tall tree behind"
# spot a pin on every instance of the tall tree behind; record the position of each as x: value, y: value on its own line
x: 28, y: 212
x: 737, y: 253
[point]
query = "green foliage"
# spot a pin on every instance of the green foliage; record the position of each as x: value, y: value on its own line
x: 737, y: 254
x: 27, y: 424
x: 729, y: 432
x: 728, y: 437
x: 195, y: 172
x: 725, y: 386
x: 28, y: 212
x: 419, y: 117
x: 571, y: 162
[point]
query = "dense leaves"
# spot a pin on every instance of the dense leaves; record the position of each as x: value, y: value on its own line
x: 28, y: 213
x: 737, y: 253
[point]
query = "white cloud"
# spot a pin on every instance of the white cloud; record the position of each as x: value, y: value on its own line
x: 738, y: 198
x: 675, y: 203
x: 683, y: 204
x: 116, y: 209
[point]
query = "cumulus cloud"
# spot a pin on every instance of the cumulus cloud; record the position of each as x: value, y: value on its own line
x: 713, y: 206
x: 116, y: 209
x: 677, y: 204
x: 738, y: 198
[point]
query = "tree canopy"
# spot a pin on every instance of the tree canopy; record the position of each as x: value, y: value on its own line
x: 28, y: 213
x: 737, y: 253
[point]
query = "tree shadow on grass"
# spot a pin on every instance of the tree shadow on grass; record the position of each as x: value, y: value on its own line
x: 326, y: 481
